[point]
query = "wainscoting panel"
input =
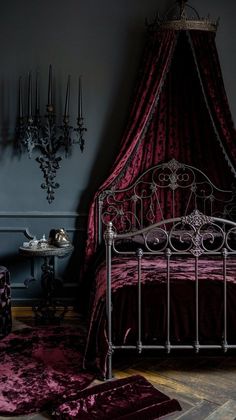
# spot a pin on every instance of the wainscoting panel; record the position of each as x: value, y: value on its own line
x: 18, y: 227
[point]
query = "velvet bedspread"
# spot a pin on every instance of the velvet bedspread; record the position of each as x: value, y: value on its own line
x: 154, y: 308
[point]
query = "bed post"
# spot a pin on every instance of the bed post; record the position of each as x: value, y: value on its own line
x: 224, y: 255
x: 168, y: 255
x: 99, y: 220
x: 109, y: 236
x: 139, y: 254
x: 196, y: 344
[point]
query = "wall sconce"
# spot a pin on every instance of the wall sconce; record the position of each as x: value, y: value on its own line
x: 42, y: 134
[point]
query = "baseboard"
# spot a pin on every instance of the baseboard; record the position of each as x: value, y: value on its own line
x: 27, y: 312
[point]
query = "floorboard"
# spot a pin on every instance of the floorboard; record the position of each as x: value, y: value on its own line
x: 204, y: 385
x: 227, y: 411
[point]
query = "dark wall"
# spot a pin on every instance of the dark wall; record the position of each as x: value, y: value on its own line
x: 102, y: 41
x: 225, y: 41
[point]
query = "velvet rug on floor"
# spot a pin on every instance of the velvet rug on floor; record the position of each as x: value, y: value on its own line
x: 40, y: 367
x: 132, y: 398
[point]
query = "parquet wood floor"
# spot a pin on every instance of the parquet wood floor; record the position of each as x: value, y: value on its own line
x: 205, y: 386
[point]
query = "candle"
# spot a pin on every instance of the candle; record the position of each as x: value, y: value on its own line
x: 20, y: 100
x: 30, y: 96
x: 66, y: 113
x: 50, y: 86
x: 37, y: 106
x: 80, y: 107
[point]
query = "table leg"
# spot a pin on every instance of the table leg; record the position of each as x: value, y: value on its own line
x: 49, y: 310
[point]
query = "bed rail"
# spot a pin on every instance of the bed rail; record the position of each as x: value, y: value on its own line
x: 196, y: 236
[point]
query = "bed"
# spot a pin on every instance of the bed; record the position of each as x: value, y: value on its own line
x: 165, y: 276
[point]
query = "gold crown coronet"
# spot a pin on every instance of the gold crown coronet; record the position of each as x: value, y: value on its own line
x: 178, y: 18
x: 189, y: 24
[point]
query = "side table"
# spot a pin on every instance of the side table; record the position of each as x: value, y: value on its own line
x: 48, y: 310
x: 5, y: 302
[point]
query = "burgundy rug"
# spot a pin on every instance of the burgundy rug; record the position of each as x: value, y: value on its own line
x: 132, y: 398
x: 40, y: 367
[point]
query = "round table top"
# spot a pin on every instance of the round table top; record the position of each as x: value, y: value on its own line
x: 49, y: 251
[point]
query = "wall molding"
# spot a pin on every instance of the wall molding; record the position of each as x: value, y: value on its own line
x: 81, y: 226
x: 5, y: 217
x: 24, y: 230
x: 15, y: 285
x: 41, y: 214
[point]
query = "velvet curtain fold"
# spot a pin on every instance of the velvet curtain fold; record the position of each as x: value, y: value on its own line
x: 180, y: 110
x: 156, y: 61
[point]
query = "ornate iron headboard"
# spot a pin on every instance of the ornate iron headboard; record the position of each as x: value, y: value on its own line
x: 164, y: 191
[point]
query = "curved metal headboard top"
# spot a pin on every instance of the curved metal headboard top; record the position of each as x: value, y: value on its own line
x: 164, y: 191
x: 195, y: 234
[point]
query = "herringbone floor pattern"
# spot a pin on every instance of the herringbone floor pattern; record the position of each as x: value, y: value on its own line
x: 205, y: 386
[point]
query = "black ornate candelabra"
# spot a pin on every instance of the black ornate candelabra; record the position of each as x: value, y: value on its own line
x: 42, y: 134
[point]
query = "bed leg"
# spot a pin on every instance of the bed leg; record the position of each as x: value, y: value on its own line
x: 109, y: 362
x: 109, y: 236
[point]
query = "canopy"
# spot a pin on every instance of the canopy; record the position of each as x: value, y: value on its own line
x: 179, y: 110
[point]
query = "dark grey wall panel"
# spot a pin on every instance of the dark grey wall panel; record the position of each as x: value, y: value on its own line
x: 103, y: 41
x: 15, y: 228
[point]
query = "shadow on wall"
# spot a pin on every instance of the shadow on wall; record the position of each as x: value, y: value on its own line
x: 6, y: 139
x: 119, y: 112
x: 117, y: 117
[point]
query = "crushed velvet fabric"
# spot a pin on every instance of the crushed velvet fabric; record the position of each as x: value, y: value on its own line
x: 5, y: 302
x: 40, y: 367
x: 182, y: 305
x: 179, y: 110
x: 130, y: 398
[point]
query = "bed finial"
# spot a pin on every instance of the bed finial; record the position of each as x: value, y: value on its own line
x: 109, y: 234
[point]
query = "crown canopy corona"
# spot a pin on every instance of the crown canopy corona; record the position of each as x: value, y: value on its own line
x: 183, y: 17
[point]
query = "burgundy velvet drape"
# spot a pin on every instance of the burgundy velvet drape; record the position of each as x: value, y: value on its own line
x: 156, y: 61
x: 180, y: 111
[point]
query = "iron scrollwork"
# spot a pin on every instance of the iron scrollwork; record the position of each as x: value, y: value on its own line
x: 167, y: 190
x: 46, y: 137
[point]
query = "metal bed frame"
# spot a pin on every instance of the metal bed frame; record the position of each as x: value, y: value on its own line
x: 127, y: 214
x: 142, y: 203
